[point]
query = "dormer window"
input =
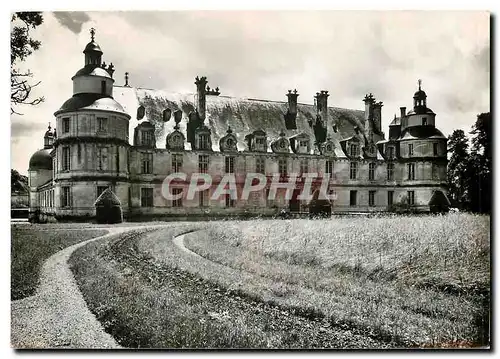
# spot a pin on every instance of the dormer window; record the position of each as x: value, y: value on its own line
x: 303, y: 143
x: 259, y: 141
x: 147, y: 138
x: 354, y: 150
x: 203, y: 141
x: 390, y: 152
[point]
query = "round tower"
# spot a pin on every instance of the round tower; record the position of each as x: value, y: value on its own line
x: 423, y: 153
x: 92, y: 139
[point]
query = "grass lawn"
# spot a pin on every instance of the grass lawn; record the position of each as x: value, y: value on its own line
x: 418, y: 280
x: 337, y: 283
x: 147, y: 304
x: 31, y: 245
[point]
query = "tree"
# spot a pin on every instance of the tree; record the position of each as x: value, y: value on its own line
x: 458, y: 168
x: 480, y: 164
x: 21, y: 46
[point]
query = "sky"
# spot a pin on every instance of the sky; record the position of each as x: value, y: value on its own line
x: 262, y: 54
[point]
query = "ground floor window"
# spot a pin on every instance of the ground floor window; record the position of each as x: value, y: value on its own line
x: 353, y: 198
x: 65, y: 197
x: 229, y: 201
x: 177, y: 202
x: 411, y: 198
x: 371, y: 198
x: 204, y: 198
x: 146, y: 197
x: 390, y: 198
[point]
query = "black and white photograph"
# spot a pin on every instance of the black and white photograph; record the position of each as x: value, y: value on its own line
x: 250, y: 179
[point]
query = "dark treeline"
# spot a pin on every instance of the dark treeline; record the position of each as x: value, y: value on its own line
x: 470, y: 167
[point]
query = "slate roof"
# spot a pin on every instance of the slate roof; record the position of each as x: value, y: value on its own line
x: 421, y: 132
x: 244, y: 115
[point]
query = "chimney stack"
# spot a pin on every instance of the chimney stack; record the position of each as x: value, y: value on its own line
x: 201, y: 84
x: 369, y: 100
x: 377, y: 115
x: 322, y: 104
x: 292, y: 101
x: 403, y: 111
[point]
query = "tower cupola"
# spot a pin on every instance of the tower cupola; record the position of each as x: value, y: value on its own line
x: 93, y: 53
x: 48, y: 138
x: 420, y: 99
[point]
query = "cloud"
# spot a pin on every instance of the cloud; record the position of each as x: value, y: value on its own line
x: 72, y: 20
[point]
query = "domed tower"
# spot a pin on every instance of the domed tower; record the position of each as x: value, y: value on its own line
x: 40, y: 169
x: 92, y: 139
x: 423, y: 152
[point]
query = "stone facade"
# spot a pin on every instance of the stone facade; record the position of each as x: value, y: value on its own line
x: 130, y: 139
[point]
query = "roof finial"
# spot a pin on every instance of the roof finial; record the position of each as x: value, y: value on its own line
x: 92, y: 33
x: 419, y: 84
x: 49, y: 127
x: 126, y: 80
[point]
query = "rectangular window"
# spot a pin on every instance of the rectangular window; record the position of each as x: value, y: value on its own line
x: 103, y: 87
x: 229, y: 202
x: 411, y: 171
x: 204, y: 197
x: 176, y: 163
x: 353, y: 170
x: 260, y: 165
x: 259, y: 141
x: 66, y: 158
x: 65, y: 124
x: 354, y: 150
x: 329, y: 168
x: 203, y: 163
x: 102, y: 124
x: 65, y: 197
x: 390, y: 198
x: 411, y: 198
x: 147, y: 197
x: 79, y: 152
x: 390, y: 171
x: 353, y: 198
x: 229, y: 165
x: 410, y: 149
x: 102, y: 158
x: 371, y: 171
x: 424, y: 121
x: 304, y: 165
x: 100, y: 189
x: 371, y: 198
x: 435, y: 148
x: 203, y: 142
x: 282, y: 167
x: 177, y: 202
x: 147, y: 138
x: 146, y: 163
x: 303, y: 143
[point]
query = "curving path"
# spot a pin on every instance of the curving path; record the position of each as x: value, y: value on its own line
x: 57, y: 315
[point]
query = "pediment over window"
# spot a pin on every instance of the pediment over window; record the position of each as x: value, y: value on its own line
x: 328, y: 148
x: 370, y: 150
x: 351, y: 147
x: 175, y: 140
x: 257, y: 141
x: 228, y: 143
x: 300, y: 143
x: 281, y: 144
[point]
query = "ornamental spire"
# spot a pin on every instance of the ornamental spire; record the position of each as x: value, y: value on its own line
x: 419, y: 84
x: 92, y: 33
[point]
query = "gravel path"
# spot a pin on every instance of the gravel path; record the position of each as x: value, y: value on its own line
x: 57, y: 315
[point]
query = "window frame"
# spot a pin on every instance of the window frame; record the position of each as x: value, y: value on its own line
x: 146, y: 163
x: 177, y: 203
x: 411, y: 171
x: 203, y: 163
x: 371, y: 171
x: 329, y: 168
x: 411, y: 198
x: 65, y: 125
x: 229, y: 164
x: 66, y: 158
x: 260, y: 165
x: 353, y: 198
x: 177, y: 162
x: 390, y: 171
x: 353, y: 170
x: 371, y: 198
x: 66, y: 199
x: 390, y: 198
x: 147, y: 197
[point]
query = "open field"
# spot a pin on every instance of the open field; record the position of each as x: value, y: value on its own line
x: 31, y: 245
x: 340, y: 283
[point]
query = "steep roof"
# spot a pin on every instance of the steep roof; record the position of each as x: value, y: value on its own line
x: 244, y: 115
x: 421, y: 132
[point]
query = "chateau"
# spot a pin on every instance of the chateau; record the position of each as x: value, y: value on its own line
x: 130, y: 139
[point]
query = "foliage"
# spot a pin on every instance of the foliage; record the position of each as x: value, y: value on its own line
x: 21, y: 46
x: 469, y: 172
x: 18, y: 182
